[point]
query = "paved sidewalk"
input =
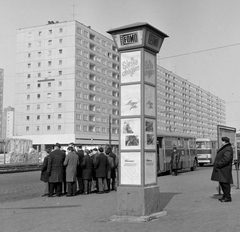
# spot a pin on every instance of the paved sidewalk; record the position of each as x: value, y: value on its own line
x: 190, y: 200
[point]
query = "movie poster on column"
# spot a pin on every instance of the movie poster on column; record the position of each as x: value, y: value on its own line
x: 130, y: 67
x: 150, y: 168
x: 130, y: 134
x: 150, y: 134
x: 150, y: 101
x: 149, y: 68
x: 131, y: 168
x: 130, y: 100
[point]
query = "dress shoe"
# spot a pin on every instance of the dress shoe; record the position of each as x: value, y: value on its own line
x: 68, y: 195
x: 226, y: 200
x: 220, y: 199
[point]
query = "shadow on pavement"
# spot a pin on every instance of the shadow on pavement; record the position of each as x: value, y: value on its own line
x: 165, y: 198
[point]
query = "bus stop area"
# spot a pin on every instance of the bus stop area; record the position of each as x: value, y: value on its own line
x: 189, y: 199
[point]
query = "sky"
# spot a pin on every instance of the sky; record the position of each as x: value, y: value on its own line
x: 203, y: 45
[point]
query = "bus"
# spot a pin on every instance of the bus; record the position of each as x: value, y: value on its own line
x: 206, y: 150
x: 186, y: 146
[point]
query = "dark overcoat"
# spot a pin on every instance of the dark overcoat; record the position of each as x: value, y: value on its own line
x: 110, y: 166
x: 44, y: 175
x: 222, y: 167
x: 175, y: 158
x: 80, y: 154
x: 101, y: 165
x: 87, y: 167
x: 113, y: 171
x: 55, y: 166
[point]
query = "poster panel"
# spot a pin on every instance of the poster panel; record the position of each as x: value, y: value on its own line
x: 150, y: 168
x: 150, y: 134
x: 130, y: 67
x: 150, y: 101
x: 149, y: 68
x: 130, y: 100
x: 131, y: 168
x: 130, y: 134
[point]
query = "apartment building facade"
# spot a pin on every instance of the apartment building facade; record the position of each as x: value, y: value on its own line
x: 1, y: 98
x: 67, y: 85
x: 8, y: 122
x: 185, y: 108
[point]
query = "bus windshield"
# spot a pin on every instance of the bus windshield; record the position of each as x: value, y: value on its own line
x: 203, y: 144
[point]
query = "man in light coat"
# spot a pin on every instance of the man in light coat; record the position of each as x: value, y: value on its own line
x: 222, y: 169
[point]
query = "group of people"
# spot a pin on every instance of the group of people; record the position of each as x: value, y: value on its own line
x: 78, y: 171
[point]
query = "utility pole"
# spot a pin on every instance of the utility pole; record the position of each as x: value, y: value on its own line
x: 110, y: 129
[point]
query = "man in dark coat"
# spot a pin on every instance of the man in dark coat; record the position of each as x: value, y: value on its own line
x: 101, y: 169
x: 80, y: 153
x: 113, y: 169
x: 87, y: 166
x: 44, y: 175
x: 55, y: 170
x: 222, y: 169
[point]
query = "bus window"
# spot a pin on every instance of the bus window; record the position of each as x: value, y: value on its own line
x: 180, y: 143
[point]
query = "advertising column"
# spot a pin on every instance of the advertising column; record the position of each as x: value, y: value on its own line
x: 138, y: 191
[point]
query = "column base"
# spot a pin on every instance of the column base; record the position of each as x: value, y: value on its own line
x: 138, y: 201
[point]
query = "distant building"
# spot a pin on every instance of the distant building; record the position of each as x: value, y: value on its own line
x: 1, y: 97
x: 185, y: 108
x: 8, y: 123
x: 67, y: 85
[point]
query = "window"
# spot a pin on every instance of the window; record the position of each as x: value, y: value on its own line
x: 59, y: 105
x: 38, y: 95
x: 49, y: 52
x: 78, y: 127
x: 39, y: 74
x: 37, y: 128
x: 39, y: 64
x: 49, y: 63
x: 48, y: 127
x: 29, y: 45
x: 28, y: 107
x: 59, y: 94
x: 85, y: 117
x: 50, y: 42
x: 78, y: 116
x: 39, y: 33
x: 29, y: 75
x: 85, y: 129
x: 29, y: 65
x: 27, y: 128
x: 49, y: 74
x: 60, y: 51
x: 49, y: 116
x: 49, y: 84
x: 48, y: 106
x: 78, y: 106
x: 60, y: 40
x: 60, y: 62
x: 59, y: 73
x: 28, y: 86
x: 38, y: 107
x: 27, y: 117
x: 59, y: 116
x: 59, y: 127
x: 38, y: 117
x: 28, y: 97
x: 29, y: 55
x: 50, y: 32
x: 60, y: 30
x: 39, y: 43
x: 48, y: 95
x: 39, y: 54
x: 60, y: 83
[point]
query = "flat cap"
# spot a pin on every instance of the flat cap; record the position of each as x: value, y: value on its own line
x: 226, y: 139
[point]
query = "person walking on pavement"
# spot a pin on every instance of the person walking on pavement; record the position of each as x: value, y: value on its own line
x: 44, y: 175
x: 222, y: 169
x: 101, y: 169
x: 55, y: 170
x: 87, y: 166
x: 113, y: 169
x: 175, y: 158
x: 71, y: 163
x: 80, y: 153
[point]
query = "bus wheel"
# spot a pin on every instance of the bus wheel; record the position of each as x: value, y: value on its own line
x: 194, y: 167
x: 201, y: 164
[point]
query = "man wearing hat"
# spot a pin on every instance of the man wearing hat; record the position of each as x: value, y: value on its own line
x: 55, y: 170
x: 222, y: 169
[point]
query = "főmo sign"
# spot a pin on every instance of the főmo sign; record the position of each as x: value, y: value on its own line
x: 128, y: 39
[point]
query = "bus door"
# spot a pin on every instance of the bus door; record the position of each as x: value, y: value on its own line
x: 182, y: 152
x: 161, y: 155
x: 187, y: 153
